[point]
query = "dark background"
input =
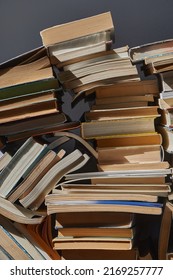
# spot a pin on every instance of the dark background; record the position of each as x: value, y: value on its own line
x: 136, y: 22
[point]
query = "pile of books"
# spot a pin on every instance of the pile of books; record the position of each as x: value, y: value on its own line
x: 84, y: 193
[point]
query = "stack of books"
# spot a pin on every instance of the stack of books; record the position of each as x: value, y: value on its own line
x: 156, y: 60
x: 29, y: 97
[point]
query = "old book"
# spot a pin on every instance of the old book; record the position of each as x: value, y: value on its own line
x: 131, y: 140
x: 153, y: 49
x: 129, y: 88
x: 118, y: 126
x: 94, y: 219
x: 77, y: 29
x: 18, y: 165
x: 129, y: 154
x: 134, y: 166
x: 96, y: 243
x: 110, y: 114
x: 162, y: 190
x: 158, y: 66
x: 63, y: 197
x: 166, y: 100
x: 99, y: 254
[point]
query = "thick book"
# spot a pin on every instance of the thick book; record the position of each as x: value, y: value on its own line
x: 99, y: 254
x: 130, y: 154
x: 96, y: 243
x: 77, y: 29
x: 118, y: 126
x: 110, y: 114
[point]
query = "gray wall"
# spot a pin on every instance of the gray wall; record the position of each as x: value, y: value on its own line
x: 136, y: 21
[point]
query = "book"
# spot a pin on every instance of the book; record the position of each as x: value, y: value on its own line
x: 131, y: 140
x: 129, y: 88
x: 95, y: 243
x: 162, y: 190
x: 166, y: 117
x: 118, y: 126
x: 166, y: 100
x: 129, y: 154
x: 94, y: 219
x: 134, y: 166
x: 110, y: 114
x: 77, y: 29
x: 153, y: 49
x: 99, y: 254
x: 138, y: 207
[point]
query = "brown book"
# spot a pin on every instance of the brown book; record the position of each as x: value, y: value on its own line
x: 162, y: 190
x: 99, y: 254
x: 134, y: 166
x: 96, y: 243
x: 140, y: 139
x: 118, y: 126
x: 167, y: 136
x: 94, y: 219
x: 129, y: 88
x: 77, y: 29
x: 110, y: 114
x: 129, y: 154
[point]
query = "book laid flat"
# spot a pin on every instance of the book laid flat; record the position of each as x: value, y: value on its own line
x: 77, y: 29
x: 154, y: 49
x: 92, y: 243
x: 118, y: 126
